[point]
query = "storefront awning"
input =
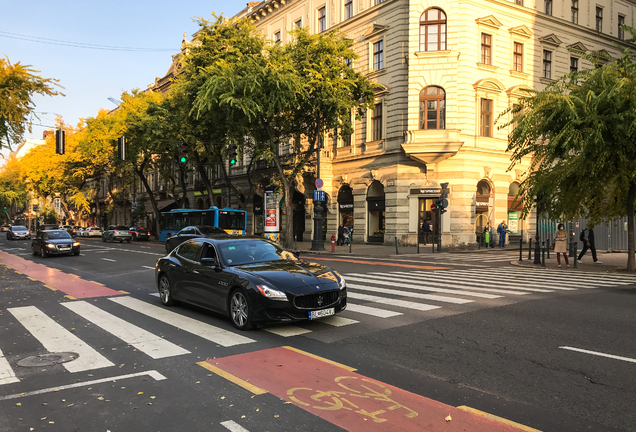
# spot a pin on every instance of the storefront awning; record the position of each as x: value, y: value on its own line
x: 166, y: 205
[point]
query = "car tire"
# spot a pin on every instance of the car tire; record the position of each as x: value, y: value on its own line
x: 112, y: 239
x: 240, y: 309
x: 33, y: 250
x: 43, y: 253
x: 76, y: 253
x: 129, y: 240
x: 104, y: 239
x: 165, y: 291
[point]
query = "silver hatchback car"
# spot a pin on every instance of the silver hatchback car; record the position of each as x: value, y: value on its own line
x: 117, y: 233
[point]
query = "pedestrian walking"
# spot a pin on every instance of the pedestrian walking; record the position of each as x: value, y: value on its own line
x: 341, y: 231
x: 587, y: 237
x: 426, y: 229
x: 502, y: 230
x: 560, y: 245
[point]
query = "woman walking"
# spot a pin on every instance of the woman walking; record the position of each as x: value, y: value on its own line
x: 561, y: 245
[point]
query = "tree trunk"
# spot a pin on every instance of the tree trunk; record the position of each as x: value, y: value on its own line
x: 153, y: 202
x: 631, y: 196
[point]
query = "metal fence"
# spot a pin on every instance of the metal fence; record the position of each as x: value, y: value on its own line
x: 609, y: 237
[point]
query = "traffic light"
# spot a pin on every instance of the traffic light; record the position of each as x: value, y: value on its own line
x: 233, y: 155
x: 183, y: 152
x: 121, y: 148
x: 59, y: 141
x: 443, y: 201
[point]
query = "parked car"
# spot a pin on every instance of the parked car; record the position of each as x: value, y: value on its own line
x: 117, y: 233
x: 139, y: 233
x: 93, y: 232
x: 5, y: 228
x: 18, y: 232
x: 251, y: 280
x: 54, y: 242
x: 80, y: 231
x: 48, y: 227
x: 68, y: 228
x: 190, y: 232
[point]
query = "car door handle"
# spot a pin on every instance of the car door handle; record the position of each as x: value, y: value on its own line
x: 195, y: 272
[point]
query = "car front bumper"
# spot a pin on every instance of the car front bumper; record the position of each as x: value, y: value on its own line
x: 285, y: 311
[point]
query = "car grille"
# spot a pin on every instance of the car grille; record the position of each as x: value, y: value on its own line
x: 316, y: 300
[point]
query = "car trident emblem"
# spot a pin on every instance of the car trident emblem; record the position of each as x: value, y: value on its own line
x: 320, y: 299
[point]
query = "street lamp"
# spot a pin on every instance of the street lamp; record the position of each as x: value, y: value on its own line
x: 537, y: 246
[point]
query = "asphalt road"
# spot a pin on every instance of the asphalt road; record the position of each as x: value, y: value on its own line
x: 463, y: 330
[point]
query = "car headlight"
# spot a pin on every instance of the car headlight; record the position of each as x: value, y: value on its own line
x: 76, y: 243
x: 341, y: 283
x: 270, y: 293
x: 49, y: 245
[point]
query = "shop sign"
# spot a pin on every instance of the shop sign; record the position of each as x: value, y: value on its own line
x: 216, y: 191
x: 513, y: 222
x: 345, y: 206
x: 427, y: 191
x: 201, y: 193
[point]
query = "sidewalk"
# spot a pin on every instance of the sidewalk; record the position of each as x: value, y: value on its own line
x: 612, y: 261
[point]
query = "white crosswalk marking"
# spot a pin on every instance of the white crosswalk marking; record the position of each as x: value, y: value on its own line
x: 377, y: 312
x: 144, y: 341
x: 337, y: 321
x: 409, y: 294
x: 232, y: 426
x: 515, y: 280
x: 393, y: 302
x: 473, y: 284
x: 214, y: 334
x: 56, y: 338
x: 7, y: 376
x: 287, y: 331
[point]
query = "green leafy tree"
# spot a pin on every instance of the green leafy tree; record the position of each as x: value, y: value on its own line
x: 18, y: 85
x: 580, y: 133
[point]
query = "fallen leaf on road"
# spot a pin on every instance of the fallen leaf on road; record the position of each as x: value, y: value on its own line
x: 275, y: 415
x: 140, y: 393
x: 100, y: 398
x: 242, y: 416
x: 152, y: 397
x: 257, y: 409
x: 448, y: 418
x: 18, y: 404
x: 222, y: 397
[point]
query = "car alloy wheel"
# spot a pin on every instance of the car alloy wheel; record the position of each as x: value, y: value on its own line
x: 240, y: 310
x: 165, y: 291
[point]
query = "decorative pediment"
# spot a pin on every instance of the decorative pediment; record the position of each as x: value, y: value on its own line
x: 578, y: 46
x: 489, y: 85
x: 604, y: 55
x: 489, y: 21
x: 381, y: 90
x: 551, y: 39
x: 521, y: 30
x: 374, y: 30
x: 519, y: 91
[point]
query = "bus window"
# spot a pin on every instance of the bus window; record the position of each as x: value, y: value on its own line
x: 232, y: 220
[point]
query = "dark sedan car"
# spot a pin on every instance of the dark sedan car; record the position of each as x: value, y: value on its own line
x: 18, y: 232
x: 54, y: 242
x: 139, y: 233
x: 190, y: 232
x: 251, y: 280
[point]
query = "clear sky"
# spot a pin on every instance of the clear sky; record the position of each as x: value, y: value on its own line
x: 91, y: 76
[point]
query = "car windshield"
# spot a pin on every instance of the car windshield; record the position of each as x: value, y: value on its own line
x: 93, y: 228
x: 19, y: 228
x: 121, y: 227
x: 251, y: 251
x: 57, y: 235
x: 211, y: 230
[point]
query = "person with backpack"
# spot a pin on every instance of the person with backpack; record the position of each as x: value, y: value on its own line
x: 587, y: 237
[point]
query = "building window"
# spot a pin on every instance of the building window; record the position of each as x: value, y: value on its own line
x: 348, y: 9
x: 575, y: 11
x: 621, y: 32
x: 486, y: 117
x: 548, y: 7
x: 432, y: 108
x: 547, y: 64
x: 277, y: 37
x: 433, y: 30
x: 377, y: 2
x: 519, y: 2
x: 376, y: 123
x: 322, y: 19
x: 349, y: 62
x: 599, y: 19
x: 346, y: 140
x: 574, y: 64
x: 518, y: 57
x: 378, y: 55
x: 486, y: 48
x: 299, y: 23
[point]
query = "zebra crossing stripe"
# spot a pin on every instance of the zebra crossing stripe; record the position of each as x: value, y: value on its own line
x: 213, y: 334
x: 595, y: 278
x: 409, y: 294
x: 514, y: 280
x: 377, y: 312
x: 144, y: 341
x: 56, y: 338
x: 287, y: 331
x: 509, y: 288
x: 7, y: 376
x: 555, y: 279
x: 393, y: 302
x: 423, y: 287
x: 232, y: 426
x: 372, y: 278
x: 337, y: 321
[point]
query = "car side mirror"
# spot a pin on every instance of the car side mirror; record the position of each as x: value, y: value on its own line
x: 209, y: 262
x: 296, y: 253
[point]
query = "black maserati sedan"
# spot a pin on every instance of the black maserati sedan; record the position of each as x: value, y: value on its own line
x: 54, y: 242
x: 249, y: 279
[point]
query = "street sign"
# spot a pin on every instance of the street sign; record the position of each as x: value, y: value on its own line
x: 36, y: 207
x: 319, y: 184
x: 434, y: 208
x: 134, y: 205
x: 319, y: 195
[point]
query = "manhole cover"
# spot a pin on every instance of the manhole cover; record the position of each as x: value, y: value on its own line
x: 47, y: 359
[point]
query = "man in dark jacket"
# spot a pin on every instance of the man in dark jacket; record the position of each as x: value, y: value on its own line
x: 340, y: 235
x: 588, y: 243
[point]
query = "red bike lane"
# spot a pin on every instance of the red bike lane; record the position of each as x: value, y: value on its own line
x: 338, y: 394
x: 57, y: 280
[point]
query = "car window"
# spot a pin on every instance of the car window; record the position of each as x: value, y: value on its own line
x: 252, y: 251
x: 56, y: 235
x: 121, y: 228
x: 19, y: 228
x: 186, y: 231
x: 209, y: 252
x: 189, y: 250
x: 211, y: 230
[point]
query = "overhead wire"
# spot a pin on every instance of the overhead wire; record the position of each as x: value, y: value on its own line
x: 79, y: 44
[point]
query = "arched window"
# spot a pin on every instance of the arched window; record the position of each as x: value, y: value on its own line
x: 433, y: 30
x: 432, y: 108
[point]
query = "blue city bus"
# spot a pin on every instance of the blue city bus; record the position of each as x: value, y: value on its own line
x: 231, y: 220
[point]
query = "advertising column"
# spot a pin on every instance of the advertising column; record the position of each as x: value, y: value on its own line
x: 272, y: 216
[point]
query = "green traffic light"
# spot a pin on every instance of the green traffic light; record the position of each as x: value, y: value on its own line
x: 232, y: 162
x: 183, y: 159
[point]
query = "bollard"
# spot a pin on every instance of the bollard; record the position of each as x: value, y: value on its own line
x: 333, y: 245
x: 479, y: 242
x: 520, y: 249
x: 548, y: 249
x: 418, y: 245
x: 350, y: 241
x: 529, y: 248
x: 295, y: 238
x: 396, y: 246
x: 543, y: 253
x: 433, y: 244
x: 574, y: 257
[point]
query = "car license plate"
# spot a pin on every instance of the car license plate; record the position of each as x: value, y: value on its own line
x: 65, y: 248
x: 322, y: 313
